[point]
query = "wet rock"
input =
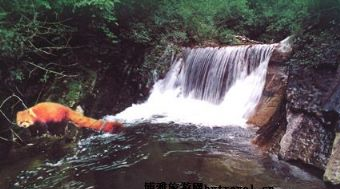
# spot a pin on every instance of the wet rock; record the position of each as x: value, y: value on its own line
x: 270, y: 115
x: 272, y: 97
x: 283, y: 50
x: 310, y: 89
x: 331, y: 110
x: 312, y: 102
x: 306, y: 139
x: 310, y: 127
x: 332, y: 173
x: 276, y: 82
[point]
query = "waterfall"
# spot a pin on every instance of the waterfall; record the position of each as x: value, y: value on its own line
x: 207, y: 86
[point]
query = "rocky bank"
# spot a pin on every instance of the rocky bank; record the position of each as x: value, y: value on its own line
x: 300, y: 109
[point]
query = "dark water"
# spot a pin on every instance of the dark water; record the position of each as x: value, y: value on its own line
x: 167, y: 153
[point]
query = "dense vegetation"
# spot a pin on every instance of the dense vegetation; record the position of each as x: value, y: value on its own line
x: 57, y: 50
x: 194, y: 21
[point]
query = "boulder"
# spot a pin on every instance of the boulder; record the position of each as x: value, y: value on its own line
x: 310, y: 127
x: 283, y: 50
x: 332, y: 173
x: 272, y: 97
x: 275, y: 87
x: 306, y: 140
x: 304, y: 129
x: 269, y: 115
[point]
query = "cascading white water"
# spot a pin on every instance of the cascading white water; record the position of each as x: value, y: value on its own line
x: 206, y: 86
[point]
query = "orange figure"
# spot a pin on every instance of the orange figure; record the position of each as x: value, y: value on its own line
x: 49, y: 112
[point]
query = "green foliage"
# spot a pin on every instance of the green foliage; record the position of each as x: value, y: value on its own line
x: 324, y: 11
x: 282, y: 16
x: 193, y: 17
x: 42, y: 44
x: 73, y: 93
x: 195, y: 21
x: 178, y: 21
x: 135, y: 20
x: 28, y: 26
x: 17, y: 75
x: 235, y: 15
x: 10, y: 41
x: 22, y: 22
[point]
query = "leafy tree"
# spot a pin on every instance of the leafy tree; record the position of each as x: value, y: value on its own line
x: 42, y: 42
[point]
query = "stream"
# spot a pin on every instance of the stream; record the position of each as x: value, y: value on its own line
x: 150, y: 154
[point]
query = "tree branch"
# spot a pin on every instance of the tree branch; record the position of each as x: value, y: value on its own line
x: 13, y: 95
x: 49, y: 71
x: 3, y: 103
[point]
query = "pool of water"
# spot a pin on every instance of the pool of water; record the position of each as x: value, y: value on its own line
x: 169, y: 155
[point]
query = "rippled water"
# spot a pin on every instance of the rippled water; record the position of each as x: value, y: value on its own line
x: 167, y: 153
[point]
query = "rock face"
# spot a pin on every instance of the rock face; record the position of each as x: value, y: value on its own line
x: 307, y: 135
x: 283, y: 50
x: 272, y: 97
x: 276, y: 82
x: 310, y: 128
x: 304, y: 130
x: 269, y: 113
x: 332, y: 173
x: 306, y: 140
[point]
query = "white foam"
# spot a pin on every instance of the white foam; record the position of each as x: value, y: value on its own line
x: 168, y: 104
